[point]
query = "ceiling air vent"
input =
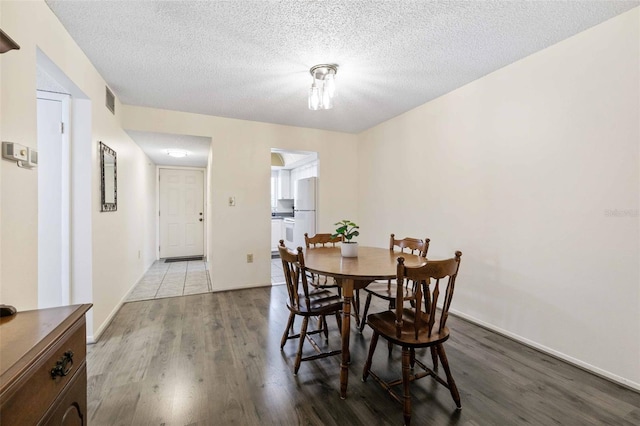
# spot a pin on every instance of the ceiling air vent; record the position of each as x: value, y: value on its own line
x: 110, y: 101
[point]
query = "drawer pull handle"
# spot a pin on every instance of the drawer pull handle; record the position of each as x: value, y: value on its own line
x: 63, y: 366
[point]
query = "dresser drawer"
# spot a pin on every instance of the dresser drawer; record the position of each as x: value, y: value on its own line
x: 37, y: 389
x: 71, y: 406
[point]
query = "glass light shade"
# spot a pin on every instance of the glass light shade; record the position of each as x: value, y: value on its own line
x: 314, y: 97
x: 330, y: 85
x: 327, y: 100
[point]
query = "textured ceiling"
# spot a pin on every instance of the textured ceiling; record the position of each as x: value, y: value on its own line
x: 251, y: 59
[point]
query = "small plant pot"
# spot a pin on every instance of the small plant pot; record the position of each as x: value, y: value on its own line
x: 349, y: 249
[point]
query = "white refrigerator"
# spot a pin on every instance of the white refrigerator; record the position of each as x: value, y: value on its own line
x: 304, y: 210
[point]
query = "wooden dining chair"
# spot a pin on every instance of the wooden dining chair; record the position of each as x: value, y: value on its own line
x: 306, y: 303
x: 387, y: 291
x: 324, y: 282
x: 411, y: 327
x: 321, y: 240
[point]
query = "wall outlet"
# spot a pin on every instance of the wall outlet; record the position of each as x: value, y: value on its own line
x: 232, y: 201
x: 250, y: 258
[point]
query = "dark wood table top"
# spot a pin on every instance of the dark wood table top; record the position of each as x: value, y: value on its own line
x: 372, y: 263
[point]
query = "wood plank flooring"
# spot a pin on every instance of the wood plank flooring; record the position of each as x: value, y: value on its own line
x: 215, y: 359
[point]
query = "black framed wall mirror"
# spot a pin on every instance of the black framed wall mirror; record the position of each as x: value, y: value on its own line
x: 109, y: 179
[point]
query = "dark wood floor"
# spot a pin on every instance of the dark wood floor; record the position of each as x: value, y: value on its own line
x: 215, y: 359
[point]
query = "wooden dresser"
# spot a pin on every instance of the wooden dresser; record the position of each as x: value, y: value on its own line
x: 43, y: 374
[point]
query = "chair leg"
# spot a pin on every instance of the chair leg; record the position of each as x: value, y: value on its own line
x: 303, y: 335
x: 364, y: 313
x: 412, y: 359
x: 452, y: 384
x: 356, y: 307
x: 434, y: 357
x: 372, y: 349
x: 406, y: 396
x: 325, y: 327
x: 339, y: 321
x: 292, y: 321
x: 286, y: 330
x: 392, y: 306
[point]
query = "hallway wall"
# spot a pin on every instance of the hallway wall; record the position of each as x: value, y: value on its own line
x: 116, y: 238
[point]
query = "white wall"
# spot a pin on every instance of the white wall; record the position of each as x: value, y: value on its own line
x: 521, y: 170
x: 115, y: 238
x: 240, y: 166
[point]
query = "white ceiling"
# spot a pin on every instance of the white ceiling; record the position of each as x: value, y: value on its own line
x: 155, y: 145
x: 250, y: 59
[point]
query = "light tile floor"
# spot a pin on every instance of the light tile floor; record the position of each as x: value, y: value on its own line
x: 172, y: 279
x: 277, y: 274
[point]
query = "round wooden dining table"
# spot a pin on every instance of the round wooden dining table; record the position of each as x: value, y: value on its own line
x: 372, y: 263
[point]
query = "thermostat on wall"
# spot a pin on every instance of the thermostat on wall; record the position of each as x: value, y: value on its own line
x: 25, y: 157
x: 14, y: 151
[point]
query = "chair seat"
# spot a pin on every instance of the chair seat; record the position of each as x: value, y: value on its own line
x: 384, y: 323
x: 386, y: 292
x: 322, y: 302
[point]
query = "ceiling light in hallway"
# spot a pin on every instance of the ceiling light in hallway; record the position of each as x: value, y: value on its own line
x: 178, y: 153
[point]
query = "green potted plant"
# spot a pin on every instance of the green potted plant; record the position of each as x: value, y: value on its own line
x: 347, y: 229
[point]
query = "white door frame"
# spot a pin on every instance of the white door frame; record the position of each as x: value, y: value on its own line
x: 65, y: 195
x: 204, y: 204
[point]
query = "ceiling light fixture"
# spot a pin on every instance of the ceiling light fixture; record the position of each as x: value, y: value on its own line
x: 323, y: 88
x: 178, y: 153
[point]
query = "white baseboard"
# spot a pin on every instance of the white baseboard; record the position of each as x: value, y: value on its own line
x: 549, y: 351
x: 215, y: 289
x: 93, y: 339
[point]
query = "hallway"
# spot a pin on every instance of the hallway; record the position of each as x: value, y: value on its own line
x: 172, y: 279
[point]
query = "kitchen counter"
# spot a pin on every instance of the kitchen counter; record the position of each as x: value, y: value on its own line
x: 279, y: 216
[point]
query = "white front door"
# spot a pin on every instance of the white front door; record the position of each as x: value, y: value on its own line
x: 181, y: 213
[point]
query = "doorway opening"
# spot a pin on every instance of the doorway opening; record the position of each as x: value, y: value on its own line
x: 289, y: 169
x: 53, y: 199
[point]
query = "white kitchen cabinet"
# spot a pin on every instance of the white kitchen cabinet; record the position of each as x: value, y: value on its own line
x: 284, y: 184
x: 276, y: 233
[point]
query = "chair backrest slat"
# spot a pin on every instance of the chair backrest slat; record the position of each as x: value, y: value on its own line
x: 430, y: 274
x: 321, y: 240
